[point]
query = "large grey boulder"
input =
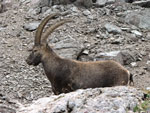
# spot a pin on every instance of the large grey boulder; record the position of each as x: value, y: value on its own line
x: 139, y: 18
x: 123, y: 57
x: 119, y: 99
x: 68, y: 48
x: 143, y: 3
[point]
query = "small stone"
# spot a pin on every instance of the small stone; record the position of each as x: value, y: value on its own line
x: 143, y: 53
x: 31, y: 26
x: 90, y: 17
x: 97, y: 36
x: 148, y: 62
x: 101, y: 3
x: 148, y: 35
x: 70, y: 105
x: 75, y: 9
x: 137, y: 33
x: 2, y: 29
x: 19, y: 95
x: 86, y: 12
x: 125, y: 29
x: 134, y: 64
x: 117, y: 41
x: 112, y: 53
x: 112, y: 28
x: 88, y: 45
x: 86, y: 52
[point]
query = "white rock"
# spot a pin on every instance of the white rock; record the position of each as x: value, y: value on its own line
x: 137, y: 33
x: 2, y: 29
x: 86, y: 52
x: 133, y: 64
x: 148, y: 62
x: 86, y: 12
x: 31, y: 26
x: 112, y: 53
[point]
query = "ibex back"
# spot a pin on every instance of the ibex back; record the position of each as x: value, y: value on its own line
x: 68, y: 75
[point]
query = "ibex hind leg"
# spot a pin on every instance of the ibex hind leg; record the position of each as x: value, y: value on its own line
x: 131, y: 82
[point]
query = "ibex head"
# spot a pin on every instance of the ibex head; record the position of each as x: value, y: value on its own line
x: 41, y: 48
x: 35, y: 57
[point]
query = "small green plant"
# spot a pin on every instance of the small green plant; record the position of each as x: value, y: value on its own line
x: 144, y: 107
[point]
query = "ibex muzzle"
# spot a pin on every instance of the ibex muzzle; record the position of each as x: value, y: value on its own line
x: 34, y: 58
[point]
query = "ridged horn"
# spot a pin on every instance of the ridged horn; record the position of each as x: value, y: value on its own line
x: 52, y: 28
x: 41, y: 27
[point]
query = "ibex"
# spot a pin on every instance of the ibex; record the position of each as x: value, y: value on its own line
x: 68, y: 75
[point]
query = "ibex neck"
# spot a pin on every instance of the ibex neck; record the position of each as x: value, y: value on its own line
x: 50, y: 63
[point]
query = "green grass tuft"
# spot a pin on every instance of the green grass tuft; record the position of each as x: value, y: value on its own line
x: 144, y: 107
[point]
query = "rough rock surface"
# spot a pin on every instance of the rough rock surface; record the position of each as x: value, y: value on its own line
x: 119, y: 99
x: 139, y: 18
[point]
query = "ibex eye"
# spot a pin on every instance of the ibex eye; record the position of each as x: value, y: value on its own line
x: 34, y: 50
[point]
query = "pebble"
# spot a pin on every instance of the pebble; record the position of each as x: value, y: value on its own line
x: 134, y: 64
x: 112, y: 28
x: 86, y: 52
x: 86, y: 12
x: 31, y: 26
x: 75, y: 9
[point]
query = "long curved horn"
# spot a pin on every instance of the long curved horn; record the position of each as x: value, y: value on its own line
x: 41, y: 27
x: 52, y: 28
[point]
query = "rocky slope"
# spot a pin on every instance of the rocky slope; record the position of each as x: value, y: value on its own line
x: 119, y: 31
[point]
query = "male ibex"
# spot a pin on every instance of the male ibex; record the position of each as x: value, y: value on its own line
x: 68, y: 75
